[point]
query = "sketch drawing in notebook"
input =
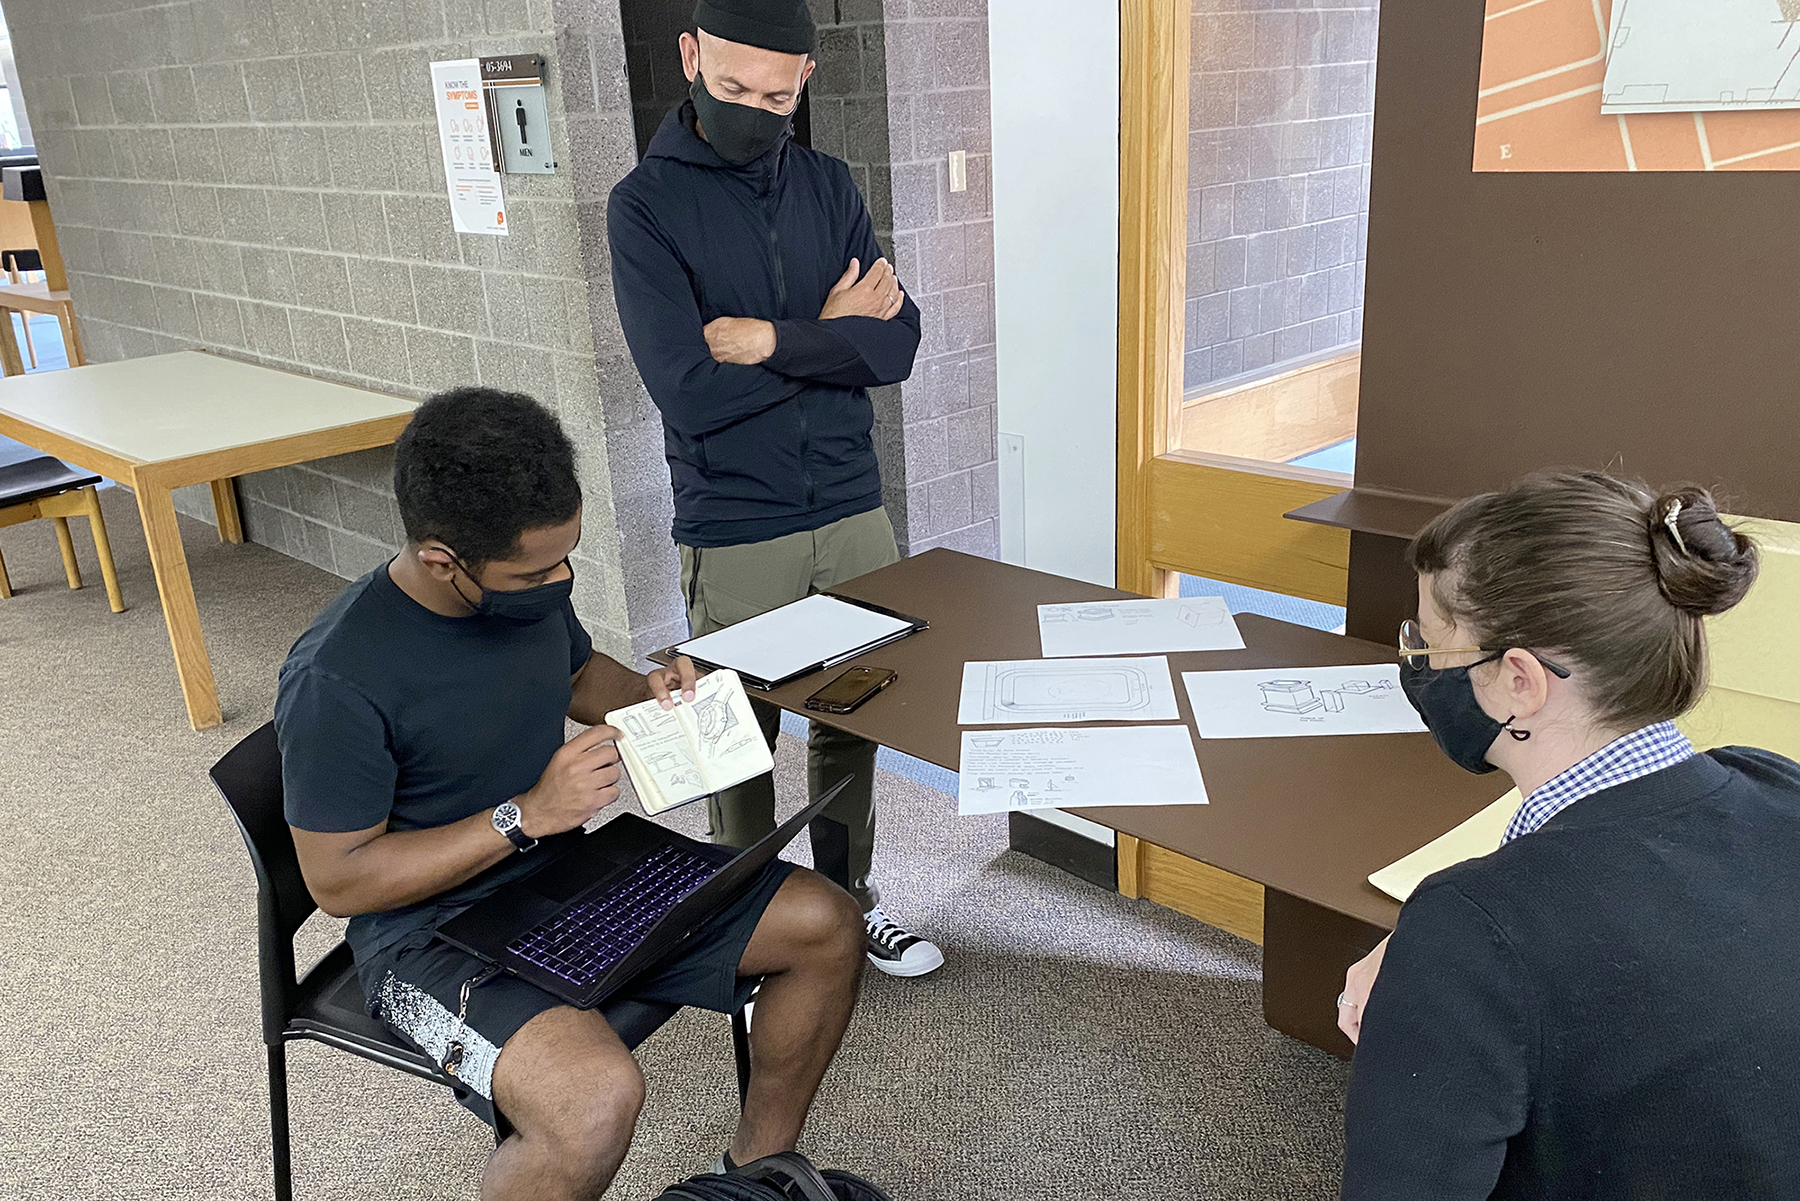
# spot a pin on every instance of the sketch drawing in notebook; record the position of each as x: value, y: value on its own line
x: 1300, y: 701
x: 1137, y: 627
x: 678, y: 755
x: 1035, y: 690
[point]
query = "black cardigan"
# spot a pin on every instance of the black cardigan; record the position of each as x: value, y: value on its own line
x: 1606, y: 1008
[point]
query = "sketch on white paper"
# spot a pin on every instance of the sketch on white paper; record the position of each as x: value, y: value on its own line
x: 1071, y: 769
x: 1301, y: 696
x: 1668, y: 56
x: 1299, y: 701
x: 1138, y: 627
x: 1064, y: 690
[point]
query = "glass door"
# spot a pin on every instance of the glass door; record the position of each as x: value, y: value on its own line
x: 1244, y: 150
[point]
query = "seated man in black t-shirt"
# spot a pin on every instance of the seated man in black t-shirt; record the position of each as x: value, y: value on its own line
x: 421, y: 729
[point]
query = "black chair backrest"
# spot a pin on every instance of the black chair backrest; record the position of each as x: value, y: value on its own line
x: 249, y: 778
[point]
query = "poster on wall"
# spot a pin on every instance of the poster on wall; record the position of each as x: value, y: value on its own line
x: 1639, y: 85
x: 476, y: 205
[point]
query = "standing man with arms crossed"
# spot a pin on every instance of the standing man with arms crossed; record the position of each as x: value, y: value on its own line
x: 759, y: 311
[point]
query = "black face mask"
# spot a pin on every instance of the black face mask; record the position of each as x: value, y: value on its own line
x: 524, y: 607
x: 1445, y: 699
x: 739, y: 133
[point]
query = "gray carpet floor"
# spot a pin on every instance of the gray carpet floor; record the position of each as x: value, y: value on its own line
x: 1076, y: 1045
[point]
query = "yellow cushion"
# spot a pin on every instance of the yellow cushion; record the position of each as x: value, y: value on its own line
x: 1754, y: 699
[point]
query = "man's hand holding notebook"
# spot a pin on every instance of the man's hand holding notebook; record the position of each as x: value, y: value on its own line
x: 694, y: 749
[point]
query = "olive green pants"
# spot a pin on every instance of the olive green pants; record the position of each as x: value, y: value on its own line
x: 727, y: 584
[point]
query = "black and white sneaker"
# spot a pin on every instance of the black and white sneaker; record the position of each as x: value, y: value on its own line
x: 897, y: 950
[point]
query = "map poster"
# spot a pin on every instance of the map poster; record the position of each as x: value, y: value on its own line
x: 1639, y: 85
x: 476, y: 206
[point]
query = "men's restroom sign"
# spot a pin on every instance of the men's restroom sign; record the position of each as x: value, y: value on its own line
x: 515, y: 97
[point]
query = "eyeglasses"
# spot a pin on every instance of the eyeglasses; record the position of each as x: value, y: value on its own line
x: 1415, y: 652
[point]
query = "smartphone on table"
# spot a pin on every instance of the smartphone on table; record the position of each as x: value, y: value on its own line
x: 850, y: 690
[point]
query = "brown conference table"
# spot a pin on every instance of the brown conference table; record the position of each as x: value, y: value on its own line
x: 1307, y: 818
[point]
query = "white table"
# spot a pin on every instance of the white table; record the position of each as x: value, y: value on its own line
x: 161, y: 423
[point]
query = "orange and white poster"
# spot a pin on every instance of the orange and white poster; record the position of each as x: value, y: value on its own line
x: 1631, y: 85
x: 476, y: 203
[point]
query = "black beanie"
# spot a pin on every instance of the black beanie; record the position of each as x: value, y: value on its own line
x: 782, y: 25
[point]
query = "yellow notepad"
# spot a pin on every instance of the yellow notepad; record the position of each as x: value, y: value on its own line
x: 1478, y: 836
x: 693, y: 750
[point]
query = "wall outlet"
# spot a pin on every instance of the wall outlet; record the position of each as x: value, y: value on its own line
x: 959, y: 170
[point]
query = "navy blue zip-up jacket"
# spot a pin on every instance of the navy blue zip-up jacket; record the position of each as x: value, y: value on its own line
x: 786, y: 445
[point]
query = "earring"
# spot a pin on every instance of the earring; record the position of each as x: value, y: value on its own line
x: 1518, y: 735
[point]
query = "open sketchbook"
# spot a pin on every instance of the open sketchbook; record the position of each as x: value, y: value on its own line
x: 1478, y: 836
x: 678, y: 755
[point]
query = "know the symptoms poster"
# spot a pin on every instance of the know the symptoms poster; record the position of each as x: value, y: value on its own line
x: 476, y: 205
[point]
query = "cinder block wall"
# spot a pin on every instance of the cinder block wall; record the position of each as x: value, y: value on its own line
x: 1282, y: 105
x: 262, y: 178
x: 901, y: 84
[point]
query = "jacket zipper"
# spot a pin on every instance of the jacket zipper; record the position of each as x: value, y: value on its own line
x: 781, y: 309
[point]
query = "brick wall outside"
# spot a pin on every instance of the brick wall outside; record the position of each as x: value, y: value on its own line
x: 262, y: 178
x: 1282, y: 97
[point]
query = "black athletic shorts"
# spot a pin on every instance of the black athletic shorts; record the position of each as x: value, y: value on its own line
x: 416, y: 989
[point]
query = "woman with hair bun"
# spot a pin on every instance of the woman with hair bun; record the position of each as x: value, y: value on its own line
x: 1608, y: 1006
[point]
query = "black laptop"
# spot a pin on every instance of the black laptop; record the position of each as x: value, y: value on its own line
x: 622, y: 898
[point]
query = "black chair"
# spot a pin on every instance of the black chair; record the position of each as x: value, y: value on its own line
x: 327, y: 1005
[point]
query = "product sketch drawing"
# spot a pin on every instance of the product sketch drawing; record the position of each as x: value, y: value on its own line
x: 1299, y: 701
x: 1030, y: 691
x: 679, y: 754
x: 1072, y: 769
x: 1687, y: 56
x: 1137, y: 627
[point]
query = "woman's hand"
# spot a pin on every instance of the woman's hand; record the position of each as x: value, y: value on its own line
x: 666, y: 681
x: 1357, y: 983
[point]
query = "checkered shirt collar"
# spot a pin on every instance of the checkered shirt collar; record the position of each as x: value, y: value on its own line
x: 1637, y: 754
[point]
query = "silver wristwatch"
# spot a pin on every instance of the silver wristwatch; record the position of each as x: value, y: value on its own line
x: 508, y: 820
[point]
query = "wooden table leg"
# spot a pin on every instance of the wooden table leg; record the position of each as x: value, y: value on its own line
x: 5, y: 584
x: 65, y: 316
x: 10, y: 361
x: 157, y: 507
x: 225, y: 508
x: 71, y: 567
x: 1306, y: 951
x: 115, y: 596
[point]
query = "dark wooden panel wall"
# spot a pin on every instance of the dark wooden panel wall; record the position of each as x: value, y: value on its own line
x: 1647, y: 323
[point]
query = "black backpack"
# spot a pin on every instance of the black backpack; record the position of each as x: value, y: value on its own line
x: 786, y: 1177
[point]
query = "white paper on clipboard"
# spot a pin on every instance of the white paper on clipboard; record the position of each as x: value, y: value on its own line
x: 810, y: 633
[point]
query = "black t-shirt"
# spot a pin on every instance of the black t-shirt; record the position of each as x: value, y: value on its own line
x: 389, y: 713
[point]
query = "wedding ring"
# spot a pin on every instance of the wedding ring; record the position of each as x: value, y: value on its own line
x: 1344, y: 999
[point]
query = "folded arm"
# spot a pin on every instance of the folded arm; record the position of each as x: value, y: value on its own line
x: 856, y: 341
x: 697, y: 393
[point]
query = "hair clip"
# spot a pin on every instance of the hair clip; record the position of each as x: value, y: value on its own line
x: 1669, y: 521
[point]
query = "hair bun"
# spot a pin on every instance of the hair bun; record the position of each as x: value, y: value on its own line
x: 1702, y: 565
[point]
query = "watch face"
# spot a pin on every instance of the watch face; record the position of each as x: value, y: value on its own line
x: 506, y: 817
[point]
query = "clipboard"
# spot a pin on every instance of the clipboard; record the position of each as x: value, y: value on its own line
x: 768, y: 681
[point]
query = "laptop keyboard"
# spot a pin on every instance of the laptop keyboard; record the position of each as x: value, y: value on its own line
x: 584, y: 941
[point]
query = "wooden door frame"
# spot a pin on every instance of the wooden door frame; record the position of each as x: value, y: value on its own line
x: 1154, y: 45
x: 1182, y: 511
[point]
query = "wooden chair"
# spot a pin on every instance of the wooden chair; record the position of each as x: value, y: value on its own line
x: 18, y: 264
x: 47, y: 487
